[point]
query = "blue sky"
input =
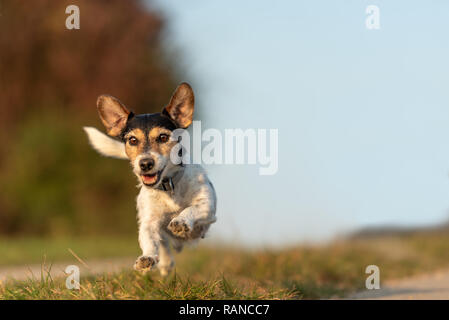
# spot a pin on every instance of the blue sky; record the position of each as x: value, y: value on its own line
x: 362, y: 114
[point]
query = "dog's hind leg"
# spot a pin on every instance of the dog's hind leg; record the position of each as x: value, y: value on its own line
x: 166, y: 261
x: 178, y: 245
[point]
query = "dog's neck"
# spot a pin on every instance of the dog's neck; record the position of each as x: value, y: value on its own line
x: 169, y: 183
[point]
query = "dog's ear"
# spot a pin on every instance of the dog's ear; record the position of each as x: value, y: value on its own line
x: 113, y: 114
x: 180, y: 108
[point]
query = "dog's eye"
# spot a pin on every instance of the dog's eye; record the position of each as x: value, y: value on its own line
x: 133, y: 141
x: 162, y: 138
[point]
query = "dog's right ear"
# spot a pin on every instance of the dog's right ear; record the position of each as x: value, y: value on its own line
x: 113, y: 114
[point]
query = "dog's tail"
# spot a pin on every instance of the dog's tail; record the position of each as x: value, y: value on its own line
x: 105, y: 145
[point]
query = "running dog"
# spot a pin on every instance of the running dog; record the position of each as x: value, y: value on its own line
x: 177, y: 202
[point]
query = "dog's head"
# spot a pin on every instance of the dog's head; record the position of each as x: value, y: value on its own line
x: 148, y: 137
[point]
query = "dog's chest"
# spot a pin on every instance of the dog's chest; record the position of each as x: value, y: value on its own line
x: 157, y: 205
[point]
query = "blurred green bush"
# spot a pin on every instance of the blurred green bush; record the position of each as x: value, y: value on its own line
x: 55, y: 184
x: 51, y: 181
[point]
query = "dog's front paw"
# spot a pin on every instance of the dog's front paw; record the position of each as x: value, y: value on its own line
x: 180, y: 228
x: 144, y: 263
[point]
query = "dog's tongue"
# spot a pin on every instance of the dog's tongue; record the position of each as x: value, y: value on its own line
x: 149, y: 178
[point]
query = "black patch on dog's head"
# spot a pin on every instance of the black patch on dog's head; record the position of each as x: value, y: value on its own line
x: 147, y: 121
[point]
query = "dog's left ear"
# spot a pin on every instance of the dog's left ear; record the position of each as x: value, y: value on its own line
x: 181, y: 106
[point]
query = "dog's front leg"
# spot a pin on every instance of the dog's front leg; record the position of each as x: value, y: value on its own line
x: 149, y: 240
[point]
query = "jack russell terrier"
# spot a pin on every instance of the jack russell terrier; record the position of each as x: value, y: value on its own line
x: 177, y: 202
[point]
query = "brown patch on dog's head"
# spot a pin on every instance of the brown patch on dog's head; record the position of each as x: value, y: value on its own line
x: 159, y: 138
x: 181, y: 106
x: 136, y: 143
x: 113, y: 114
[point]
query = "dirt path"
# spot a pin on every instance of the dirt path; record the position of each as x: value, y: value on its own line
x: 422, y: 287
x: 57, y: 270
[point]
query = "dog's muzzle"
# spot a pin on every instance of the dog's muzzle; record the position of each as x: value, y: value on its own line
x: 146, y: 164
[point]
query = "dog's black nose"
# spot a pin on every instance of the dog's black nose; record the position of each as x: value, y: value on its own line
x: 146, y: 164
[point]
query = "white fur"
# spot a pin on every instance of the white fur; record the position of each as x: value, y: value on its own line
x: 193, y: 203
x: 105, y: 145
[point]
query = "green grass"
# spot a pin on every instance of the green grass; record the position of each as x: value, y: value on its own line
x: 220, y: 272
x: 33, y: 250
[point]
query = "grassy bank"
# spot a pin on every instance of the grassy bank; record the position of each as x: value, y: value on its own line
x: 304, y: 272
x: 20, y: 251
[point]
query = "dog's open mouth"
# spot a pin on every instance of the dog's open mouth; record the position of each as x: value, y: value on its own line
x: 150, y: 179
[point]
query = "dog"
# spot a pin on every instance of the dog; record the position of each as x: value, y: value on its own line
x: 177, y: 202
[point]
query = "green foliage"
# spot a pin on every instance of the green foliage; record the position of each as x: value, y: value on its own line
x: 35, y: 250
x: 54, y: 183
